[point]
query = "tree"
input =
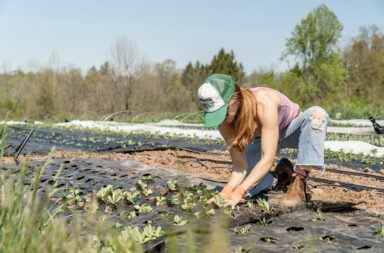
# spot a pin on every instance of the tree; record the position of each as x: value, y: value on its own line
x: 193, y: 76
x: 315, y: 38
x: 225, y: 63
x: 313, y: 45
x: 127, y: 63
x: 364, y: 61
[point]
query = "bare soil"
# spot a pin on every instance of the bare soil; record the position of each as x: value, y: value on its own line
x: 217, y: 167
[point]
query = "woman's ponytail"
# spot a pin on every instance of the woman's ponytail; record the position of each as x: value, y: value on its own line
x: 245, y: 121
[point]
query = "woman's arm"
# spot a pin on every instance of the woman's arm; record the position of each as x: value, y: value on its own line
x: 268, y: 118
x: 267, y: 113
x: 239, y: 161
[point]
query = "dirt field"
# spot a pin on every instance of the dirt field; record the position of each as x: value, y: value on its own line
x: 217, y: 167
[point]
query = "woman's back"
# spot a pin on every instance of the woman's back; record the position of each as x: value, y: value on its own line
x: 288, y: 110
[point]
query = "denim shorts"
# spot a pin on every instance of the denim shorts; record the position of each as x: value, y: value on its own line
x: 304, y: 133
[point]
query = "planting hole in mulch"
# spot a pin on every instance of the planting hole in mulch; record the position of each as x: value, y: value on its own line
x: 327, y: 238
x: 268, y: 240
x: 295, y: 229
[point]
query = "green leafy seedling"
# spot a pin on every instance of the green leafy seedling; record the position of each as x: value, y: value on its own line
x: 218, y: 200
x: 172, y: 184
x: 264, y: 206
x: 318, y: 217
x: 132, y: 214
x: 187, y: 205
x: 178, y: 221
x: 241, y: 230
x: 147, y: 179
x: 151, y: 233
x: 144, y: 208
x: 131, y: 197
x: 160, y: 201
x: 113, y: 199
x: 380, y: 232
x: 187, y: 194
x: 210, y: 212
x: 263, y: 222
x: 147, y: 192
x: 104, y: 192
x: 175, y: 200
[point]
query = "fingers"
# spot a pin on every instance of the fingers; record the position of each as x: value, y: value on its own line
x: 210, y: 201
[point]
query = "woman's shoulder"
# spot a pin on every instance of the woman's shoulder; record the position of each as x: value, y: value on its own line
x: 267, y: 96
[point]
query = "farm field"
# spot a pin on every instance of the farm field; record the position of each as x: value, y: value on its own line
x: 151, y: 190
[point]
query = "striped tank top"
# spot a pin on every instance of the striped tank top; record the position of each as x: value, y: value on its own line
x: 287, y: 109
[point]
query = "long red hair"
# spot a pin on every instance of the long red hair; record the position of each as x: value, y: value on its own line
x: 245, y: 121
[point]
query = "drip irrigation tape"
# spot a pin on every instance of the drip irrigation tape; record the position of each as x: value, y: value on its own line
x: 346, y: 185
x: 353, y: 173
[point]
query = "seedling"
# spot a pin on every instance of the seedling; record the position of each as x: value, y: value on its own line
x: 90, y: 203
x: 143, y: 187
x: 113, y: 199
x: 318, y: 217
x: 380, y: 232
x: 187, y: 194
x: 132, y: 214
x: 241, y: 230
x: 263, y: 222
x: 210, y: 212
x: 160, y: 201
x: 134, y: 234
x: 218, y: 200
x: 172, y: 184
x: 268, y: 239
x: 73, y: 193
x: 187, y: 205
x: 147, y: 179
x: 144, y: 208
x: 264, y: 205
x: 203, y: 199
x: 151, y: 233
x: 74, y: 198
x: 228, y: 212
x: 118, y: 225
x: 178, y: 221
x: 131, y: 197
x: 103, y: 192
x: 147, y: 192
x: 175, y: 200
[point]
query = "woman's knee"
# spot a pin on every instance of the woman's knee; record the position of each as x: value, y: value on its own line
x: 318, y: 118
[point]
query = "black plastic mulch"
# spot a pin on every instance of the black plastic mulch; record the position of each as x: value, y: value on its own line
x: 290, y: 230
x: 339, y: 228
x: 43, y: 139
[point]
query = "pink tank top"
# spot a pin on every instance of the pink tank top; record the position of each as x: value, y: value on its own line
x: 287, y: 109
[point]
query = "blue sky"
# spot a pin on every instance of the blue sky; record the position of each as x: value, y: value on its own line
x: 82, y: 32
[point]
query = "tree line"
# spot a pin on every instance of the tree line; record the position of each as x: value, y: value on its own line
x: 348, y: 79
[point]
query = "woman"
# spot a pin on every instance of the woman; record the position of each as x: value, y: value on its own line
x: 256, y: 123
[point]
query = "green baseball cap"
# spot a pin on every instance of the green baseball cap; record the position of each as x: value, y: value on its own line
x: 214, y: 95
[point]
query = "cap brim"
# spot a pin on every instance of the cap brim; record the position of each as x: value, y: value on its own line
x: 212, y: 119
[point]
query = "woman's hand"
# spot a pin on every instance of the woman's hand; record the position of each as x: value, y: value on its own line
x: 235, y: 196
x: 225, y: 194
